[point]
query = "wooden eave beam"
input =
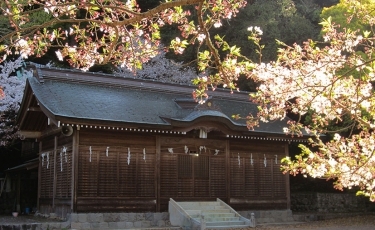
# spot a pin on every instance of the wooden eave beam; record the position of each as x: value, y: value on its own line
x: 34, y: 108
x: 30, y: 134
x: 28, y: 95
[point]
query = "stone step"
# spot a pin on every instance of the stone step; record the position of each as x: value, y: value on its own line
x: 225, y: 223
x: 189, y: 205
x: 223, y: 210
x: 212, y: 215
x: 217, y: 215
x: 199, y: 203
x: 202, y: 207
x: 221, y: 219
x: 207, y: 212
x: 228, y: 227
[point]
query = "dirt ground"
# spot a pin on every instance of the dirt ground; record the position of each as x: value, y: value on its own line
x: 360, y: 222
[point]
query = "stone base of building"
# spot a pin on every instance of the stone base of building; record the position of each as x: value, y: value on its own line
x: 269, y: 216
x: 119, y: 220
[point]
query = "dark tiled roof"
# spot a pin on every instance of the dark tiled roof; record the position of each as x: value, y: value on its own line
x: 146, y: 103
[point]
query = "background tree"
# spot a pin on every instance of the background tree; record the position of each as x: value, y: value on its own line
x: 162, y: 69
x: 336, y: 83
x: 350, y: 17
x: 280, y: 20
x: 12, y: 87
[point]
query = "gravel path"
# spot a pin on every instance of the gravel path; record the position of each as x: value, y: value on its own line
x: 363, y: 222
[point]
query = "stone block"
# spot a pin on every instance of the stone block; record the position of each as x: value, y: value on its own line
x: 95, y: 225
x: 149, y: 216
x: 145, y: 224
x: 95, y: 217
x: 138, y: 224
x: 44, y: 226
x: 158, y: 216
x: 129, y: 225
x: 168, y: 223
x: 73, y: 217
x: 56, y: 225
x: 65, y: 225
x: 103, y: 225
x: 82, y: 217
x: 140, y: 216
x: 165, y: 215
x: 132, y: 217
x: 124, y: 216
x: 113, y: 225
x: 121, y: 224
x: 86, y: 225
x: 161, y: 223
x: 75, y: 225
x: 111, y: 217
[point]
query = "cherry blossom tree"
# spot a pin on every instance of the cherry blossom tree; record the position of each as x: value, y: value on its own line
x: 328, y: 79
x: 331, y: 80
x: 162, y: 69
x: 12, y: 93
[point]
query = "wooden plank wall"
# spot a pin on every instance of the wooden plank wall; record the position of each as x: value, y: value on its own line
x: 242, y: 173
x: 56, y: 172
x: 109, y: 180
x: 256, y: 179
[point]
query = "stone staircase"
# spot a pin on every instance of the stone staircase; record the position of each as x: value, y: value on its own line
x: 206, y: 215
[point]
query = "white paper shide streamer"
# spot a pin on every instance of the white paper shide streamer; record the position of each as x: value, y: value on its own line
x: 265, y: 161
x: 239, y: 160
x: 170, y: 150
x: 128, y: 156
x: 90, y: 153
x: 61, y: 156
x: 43, y: 155
x: 275, y: 159
x: 64, y: 149
x: 251, y: 159
x: 185, y: 148
x: 144, y: 154
x: 202, y: 147
x: 47, y: 159
x: 106, y: 152
x: 216, y: 152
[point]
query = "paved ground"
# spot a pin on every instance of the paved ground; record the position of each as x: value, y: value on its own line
x: 361, y: 222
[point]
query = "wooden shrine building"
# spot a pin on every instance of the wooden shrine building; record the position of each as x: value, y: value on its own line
x: 115, y: 144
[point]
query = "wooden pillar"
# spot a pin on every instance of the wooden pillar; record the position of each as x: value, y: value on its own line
x: 18, y: 192
x: 54, y: 174
x: 74, y: 179
x: 157, y: 173
x: 287, y: 184
x: 227, y: 169
x: 39, y: 176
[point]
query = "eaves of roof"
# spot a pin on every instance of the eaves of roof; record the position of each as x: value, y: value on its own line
x: 74, y: 97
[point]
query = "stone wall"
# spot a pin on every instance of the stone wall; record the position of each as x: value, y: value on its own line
x: 118, y: 220
x: 269, y: 216
x: 330, y: 202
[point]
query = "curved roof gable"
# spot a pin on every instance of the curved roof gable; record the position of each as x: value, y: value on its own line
x: 74, y: 97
